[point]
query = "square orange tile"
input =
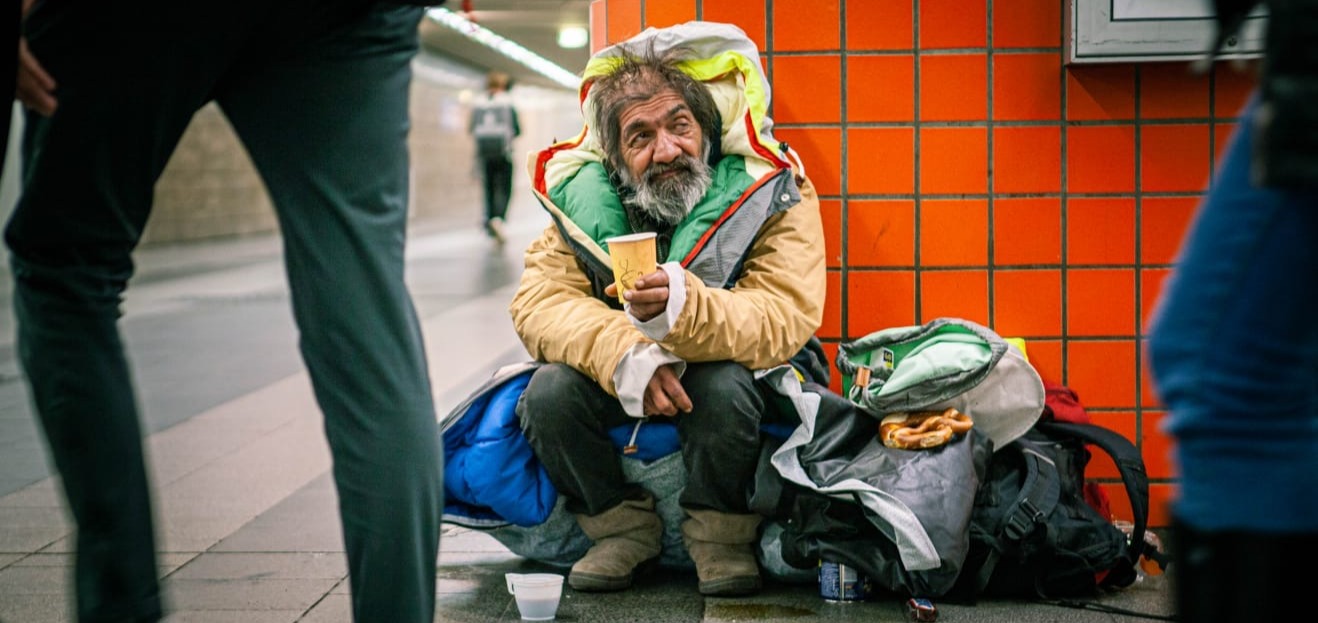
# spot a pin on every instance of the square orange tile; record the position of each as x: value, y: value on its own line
x: 954, y: 87
x: 880, y: 233
x: 1163, y: 223
x: 1027, y: 303
x: 1231, y: 88
x: 1161, y: 496
x: 880, y: 88
x: 880, y: 161
x: 1100, y: 231
x: 1156, y: 446
x: 807, y: 89
x: 669, y: 12
x: 1101, y: 466
x: 1174, y: 157
x: 1170, y: 90
x: 1045, y: 356
x: 879, y: 300
x: 830, y: 212
x: 1027, y: 24
x: 1100, y: 92
x: 834, y: 378
x: 954, y: 294
x: 749, y: 16
x: 1222, y: 133
x: 880, y: 25
x: 1027, y: 231
x: 1151, y: 281
x: 599, y: 25
x: 954, y: 232
x: 1027, y: 159
x: 1027, y: 87
x: 820, y: 150
x: 1148, y: 390
x: 953, y: 24
x: 1102, y: 372
x: 831, y: 325
x: 1100, y: 159
x: 1100, y: 302
x: 953, y: 161
x: 807, y: 25
x: 624, y: 17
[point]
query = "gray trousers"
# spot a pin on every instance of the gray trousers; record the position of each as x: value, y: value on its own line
x: 317, y: 90
x: 566, y: 417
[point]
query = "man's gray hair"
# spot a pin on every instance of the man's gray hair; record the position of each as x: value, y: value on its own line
x: 639, y: 78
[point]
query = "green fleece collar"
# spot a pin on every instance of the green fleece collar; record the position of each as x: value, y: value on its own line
x: 592, y: 203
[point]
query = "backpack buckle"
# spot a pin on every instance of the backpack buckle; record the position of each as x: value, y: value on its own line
x: 1020, y: 524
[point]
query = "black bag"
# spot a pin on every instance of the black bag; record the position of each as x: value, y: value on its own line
x: 1032, y: 535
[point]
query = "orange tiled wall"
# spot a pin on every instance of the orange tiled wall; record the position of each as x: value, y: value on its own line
x: 966, y: 171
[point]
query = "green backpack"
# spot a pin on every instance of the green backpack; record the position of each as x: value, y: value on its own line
x: 948, y: 362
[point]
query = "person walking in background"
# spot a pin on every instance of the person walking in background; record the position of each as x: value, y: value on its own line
x: 317, y: 90
x: 494, y: 125
x: 1233, y: 348
x: 740, y: 287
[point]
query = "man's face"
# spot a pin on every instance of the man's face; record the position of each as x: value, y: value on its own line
x: 663, y: 149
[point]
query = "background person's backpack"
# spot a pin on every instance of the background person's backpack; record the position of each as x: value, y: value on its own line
x: 492, y: 127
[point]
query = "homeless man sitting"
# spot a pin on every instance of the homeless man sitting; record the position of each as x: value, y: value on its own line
x: 740, y: 288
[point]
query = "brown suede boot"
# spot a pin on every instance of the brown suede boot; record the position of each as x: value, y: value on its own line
x: 625, y: 536
x: 720, y: 544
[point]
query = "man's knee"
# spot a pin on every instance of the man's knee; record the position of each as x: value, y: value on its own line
x: 724, y: 397
x: 551, y: 399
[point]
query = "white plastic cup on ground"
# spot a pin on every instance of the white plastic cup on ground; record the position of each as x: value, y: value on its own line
x: 537, y: 594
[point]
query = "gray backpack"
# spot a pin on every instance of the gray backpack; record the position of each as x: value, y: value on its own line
x: 492, y: 127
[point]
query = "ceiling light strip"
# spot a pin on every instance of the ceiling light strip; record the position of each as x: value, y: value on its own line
x: 508, y: 48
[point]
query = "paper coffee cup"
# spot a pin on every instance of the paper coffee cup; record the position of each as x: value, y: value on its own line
x: 633, y: 256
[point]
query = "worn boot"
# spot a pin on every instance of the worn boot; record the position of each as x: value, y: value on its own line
x: 625, y: 536
x: 721, y: 546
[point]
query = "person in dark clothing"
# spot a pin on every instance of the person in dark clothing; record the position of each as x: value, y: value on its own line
x: 317, y: 90
x: 494, y: 125
x: 1233, y: 348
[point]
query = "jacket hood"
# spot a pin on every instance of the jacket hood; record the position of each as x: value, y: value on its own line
x: 723, y: 58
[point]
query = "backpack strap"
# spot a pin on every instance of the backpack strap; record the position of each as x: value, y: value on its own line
x: 1133, y: 476
x: 1039, y: 493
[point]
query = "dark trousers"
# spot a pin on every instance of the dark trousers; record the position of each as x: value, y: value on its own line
x: 497, y: 176
x: 317, y: 91
x: 566, y: 417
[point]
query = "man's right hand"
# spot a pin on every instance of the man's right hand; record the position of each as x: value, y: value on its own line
x: 35, y: 87
x: 664, y: 394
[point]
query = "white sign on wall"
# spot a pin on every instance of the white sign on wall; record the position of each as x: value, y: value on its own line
x: 1121, y: 31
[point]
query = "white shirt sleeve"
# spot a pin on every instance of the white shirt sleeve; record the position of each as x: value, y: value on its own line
x: 657, y: 328
x: 635, y: 371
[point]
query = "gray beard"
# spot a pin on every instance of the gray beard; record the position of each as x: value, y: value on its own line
x: 668, y: 201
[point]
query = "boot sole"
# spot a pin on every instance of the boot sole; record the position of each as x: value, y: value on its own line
x: 731, y: 587
x: 593, y: 583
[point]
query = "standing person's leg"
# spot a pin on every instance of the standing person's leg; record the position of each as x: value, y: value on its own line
x: 125, y: 97
x: 502, y: 172
x: 1234, y: 353
x: 327, y: 129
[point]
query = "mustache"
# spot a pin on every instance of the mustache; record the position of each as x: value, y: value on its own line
x: 682, y: 164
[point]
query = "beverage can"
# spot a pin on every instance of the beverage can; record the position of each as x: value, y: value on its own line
x: 839, y: 583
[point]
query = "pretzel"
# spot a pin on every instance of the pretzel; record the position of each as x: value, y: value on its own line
x: 924, y: 429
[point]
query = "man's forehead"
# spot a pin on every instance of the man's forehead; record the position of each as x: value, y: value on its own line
x: 662, y: 105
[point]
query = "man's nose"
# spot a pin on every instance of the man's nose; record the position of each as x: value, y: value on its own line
x: 666, y: 148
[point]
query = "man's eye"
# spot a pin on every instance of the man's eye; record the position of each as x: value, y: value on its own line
x: 638, y: 139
